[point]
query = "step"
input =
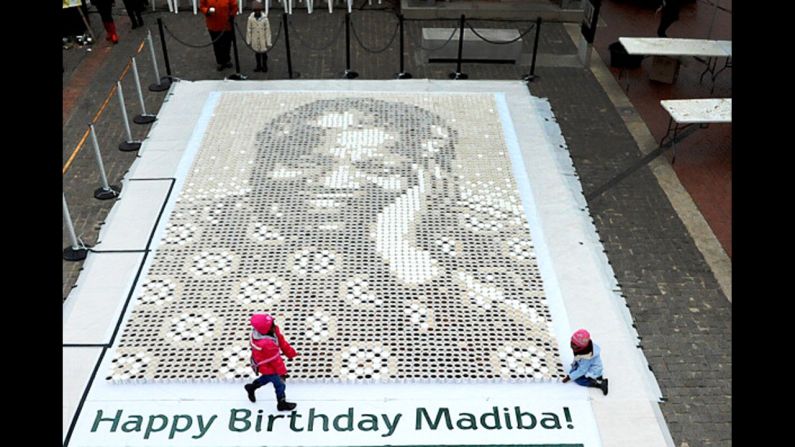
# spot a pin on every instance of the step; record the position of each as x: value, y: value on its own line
x: 548, y: 10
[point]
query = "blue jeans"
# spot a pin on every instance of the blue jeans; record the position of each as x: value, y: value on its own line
x: 276, y: 380
x: 586, y: 381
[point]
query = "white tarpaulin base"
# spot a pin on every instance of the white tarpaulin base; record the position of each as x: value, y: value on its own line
x: 578, y: 282
x: 138, y: 207
x: 94, y: 306
x: 78, y: 364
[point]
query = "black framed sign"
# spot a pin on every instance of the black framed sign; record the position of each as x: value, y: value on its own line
x: 590, y: 18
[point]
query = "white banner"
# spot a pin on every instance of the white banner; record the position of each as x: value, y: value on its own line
x: 334, y: 423
x: 71, y: 3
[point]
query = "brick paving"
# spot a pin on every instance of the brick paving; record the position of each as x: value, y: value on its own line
x: 680, y: 312
x: 703, y: 160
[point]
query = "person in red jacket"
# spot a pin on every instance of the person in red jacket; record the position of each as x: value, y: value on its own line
x: 218, y: 14
x: 105, y: 8
x: 266, y: 341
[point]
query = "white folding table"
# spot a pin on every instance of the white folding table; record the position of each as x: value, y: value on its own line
x: 687, y: 112
x: 665, y: 46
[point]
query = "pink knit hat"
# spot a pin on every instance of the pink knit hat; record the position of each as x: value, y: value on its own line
x: 262, y: 322
x: 580, y: 339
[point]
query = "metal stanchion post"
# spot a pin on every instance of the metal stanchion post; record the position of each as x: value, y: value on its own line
x: 348, y: 73
x: 165, y: 50
x: 532, y: 75
x: 238, y: 76
x: 77, y: 251
x: 402, y: 74
x: 457, y: 73
x: 162, y: 83
x: 129, y: 144
x: 143, y: 118
x: 290, y: 72
x: 105, y: 191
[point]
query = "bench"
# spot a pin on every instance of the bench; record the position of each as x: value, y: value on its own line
x: 688, y: 112
x: 475, y: 48
x: 664, y: 48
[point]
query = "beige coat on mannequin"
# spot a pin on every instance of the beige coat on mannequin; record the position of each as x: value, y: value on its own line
x: 258, y: 33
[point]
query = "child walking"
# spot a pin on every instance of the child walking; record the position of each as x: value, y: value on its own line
x: 586, y: 370
x: 258, y: 35
x: 266, y: 341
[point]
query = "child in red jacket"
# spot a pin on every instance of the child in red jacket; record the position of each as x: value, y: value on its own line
x: 266, y: 341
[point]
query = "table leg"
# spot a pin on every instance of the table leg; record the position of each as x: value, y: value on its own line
x: 622, y: 72
x: 667, y: 131
x: 675, y: 128
x: 711, y: 63
x: 673, y: 143
x: 726, y: 65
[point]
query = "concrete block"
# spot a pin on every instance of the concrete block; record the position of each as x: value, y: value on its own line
x: 664, y: 69
x: 474, y: 46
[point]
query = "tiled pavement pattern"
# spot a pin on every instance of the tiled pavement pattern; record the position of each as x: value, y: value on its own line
x: 682, y: 316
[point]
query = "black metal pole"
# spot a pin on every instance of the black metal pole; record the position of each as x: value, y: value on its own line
x: 457, y: 74
x: 348, y: 74
x: 287, y: 47
x: 402, y: 74
x: 165, y: 50
x: 237, y: 76
x: 162, y: 83
x: 532, y: 76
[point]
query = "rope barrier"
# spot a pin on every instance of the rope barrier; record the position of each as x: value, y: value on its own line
x: 389, y: 44
x: 325, y: 47
x: 455, y: 30
x: 532, y: 26
x: 243, y: 39
x: 188, y: 44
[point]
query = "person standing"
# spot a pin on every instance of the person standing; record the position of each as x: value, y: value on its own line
x: 258, y: 36
x: 134, y: 10
x: 266, y: 341
x: 218, y: 14
x: 105, y: 12
x: 669, y: 13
